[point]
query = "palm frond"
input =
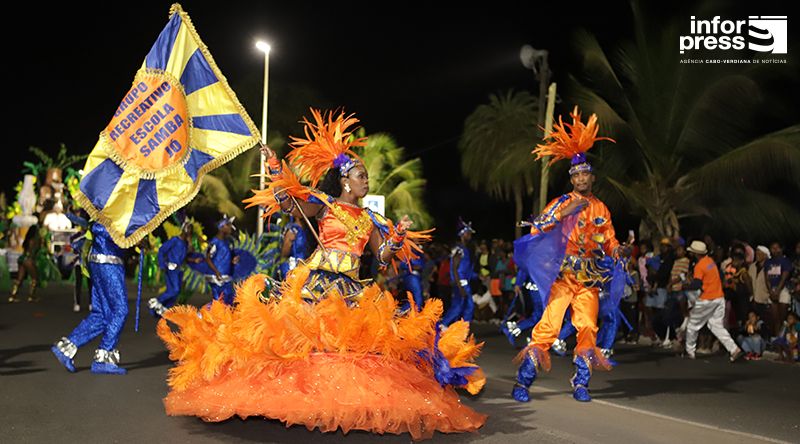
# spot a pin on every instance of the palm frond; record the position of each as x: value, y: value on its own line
x: 754, y: 165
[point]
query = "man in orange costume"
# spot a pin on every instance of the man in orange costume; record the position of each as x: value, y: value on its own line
x: 589, y: 250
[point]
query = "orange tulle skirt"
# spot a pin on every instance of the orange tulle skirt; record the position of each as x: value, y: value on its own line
x: 325, y: 365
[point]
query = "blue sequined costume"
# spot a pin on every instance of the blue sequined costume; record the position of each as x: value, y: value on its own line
x: 299, y: 250
x: 109, y: 297
x: 171, y: 256
x: 529, y: 299
x: 412, y: 282
x: 221, y: 253
x: 461, y: 307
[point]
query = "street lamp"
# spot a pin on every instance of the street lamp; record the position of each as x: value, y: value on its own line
x: 265, y: 48
x: 536, y: 60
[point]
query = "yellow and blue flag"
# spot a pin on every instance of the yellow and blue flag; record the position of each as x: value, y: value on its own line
x: 179, y: 120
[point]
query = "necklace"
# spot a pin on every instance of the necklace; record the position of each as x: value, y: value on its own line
x: 357, y: 227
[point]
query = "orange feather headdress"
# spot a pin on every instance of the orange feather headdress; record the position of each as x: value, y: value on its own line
x: 327, y: 144
x: 571, y: 141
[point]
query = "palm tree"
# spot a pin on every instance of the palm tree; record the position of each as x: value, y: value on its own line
x: 496, y: 148
x: 396, y: 178
x: 61, y: 161
x: 690, y: 139
x: 223, y: 190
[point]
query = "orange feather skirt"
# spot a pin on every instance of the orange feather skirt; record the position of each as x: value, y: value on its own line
x: 325, y: 365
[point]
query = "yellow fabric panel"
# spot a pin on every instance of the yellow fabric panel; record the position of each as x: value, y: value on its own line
x: 119, y: 207
x: 96, y: 157
x: 182, y: 50
x: 217, y: 143
x: 211, y: 100
x: 171, y: 188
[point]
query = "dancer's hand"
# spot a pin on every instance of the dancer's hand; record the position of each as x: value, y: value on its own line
x: 404, y: 224
x: 517, y: 291
x: 574, y: 206
x: 267, y: 152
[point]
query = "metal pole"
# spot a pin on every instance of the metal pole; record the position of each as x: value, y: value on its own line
x: 262, y: 168
x: 548, y: 128
x: 544, y: 78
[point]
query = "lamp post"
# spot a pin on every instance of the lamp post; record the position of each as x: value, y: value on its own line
x: 265, y: 48
x: 536, y: 60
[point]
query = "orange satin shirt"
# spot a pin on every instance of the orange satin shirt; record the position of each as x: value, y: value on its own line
x: 593, y: 228
x: 706, y: 270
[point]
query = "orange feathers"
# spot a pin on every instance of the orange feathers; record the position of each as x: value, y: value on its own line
x: 286, y: 182
x: 325, y: 139
x: 568, y: 140
x: 256, y: 336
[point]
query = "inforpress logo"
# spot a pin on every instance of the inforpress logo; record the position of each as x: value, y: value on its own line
x: 768, y: 34
x: 758, y: 33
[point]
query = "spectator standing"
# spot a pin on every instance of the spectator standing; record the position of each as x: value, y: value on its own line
x: 778, y: 267
x: 678, y: 308
x: 761, y: 301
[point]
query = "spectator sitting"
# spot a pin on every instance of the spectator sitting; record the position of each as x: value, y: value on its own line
x: 787, y: 342
x: 750, y: 340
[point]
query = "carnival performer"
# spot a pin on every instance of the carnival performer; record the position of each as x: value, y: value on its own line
x: 220, y: 260
x: 34, y: 252
x: 461, y: 272
x: 526, y: 295
x: 412, y: 283
x: 76, y: 242
x: 294, y: 246
x: 109, y: 307
x: 171, y: 257
x: 326, y: 350
x: 569, y: 255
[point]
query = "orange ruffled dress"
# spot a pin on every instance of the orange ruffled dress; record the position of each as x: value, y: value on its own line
x: 327, y: 364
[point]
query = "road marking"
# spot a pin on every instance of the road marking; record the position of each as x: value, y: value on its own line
x: 658, y: 415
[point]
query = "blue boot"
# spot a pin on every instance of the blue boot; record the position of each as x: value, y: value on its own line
x: 105, y: 363
x: 580, y: 381
x: 525, y: 377
x: 65, y: 350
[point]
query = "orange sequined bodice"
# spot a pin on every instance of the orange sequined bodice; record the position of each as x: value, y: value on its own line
x: 345, y: 227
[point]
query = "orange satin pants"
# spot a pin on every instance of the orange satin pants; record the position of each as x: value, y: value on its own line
x: 568, y: 292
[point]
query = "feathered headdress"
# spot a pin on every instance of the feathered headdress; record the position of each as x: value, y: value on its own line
x: 226, y: 221
x: 464, y: 227
x: 327, y: 145
x: 571, y: 142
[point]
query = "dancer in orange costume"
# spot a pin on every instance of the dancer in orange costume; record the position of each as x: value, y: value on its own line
x: 570, y: 254
x: 325, y: 350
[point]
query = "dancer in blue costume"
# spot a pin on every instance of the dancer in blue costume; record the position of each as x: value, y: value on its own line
x: 461, y: 306
x: 526, y: 294
x: 220, y: 259
x: 171, y: 256
x: 294, y: 247
x: 109, y: 307
x: 412, y: 283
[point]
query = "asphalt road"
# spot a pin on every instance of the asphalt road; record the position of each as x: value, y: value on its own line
x: 651, y: 396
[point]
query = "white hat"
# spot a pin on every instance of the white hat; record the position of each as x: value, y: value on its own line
x: 764, y: 250
x: 698, y: 247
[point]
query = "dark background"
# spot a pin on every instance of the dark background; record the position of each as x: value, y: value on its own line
x: 413, y: 69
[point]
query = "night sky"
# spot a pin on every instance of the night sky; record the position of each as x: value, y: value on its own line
x: 415, y: 71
